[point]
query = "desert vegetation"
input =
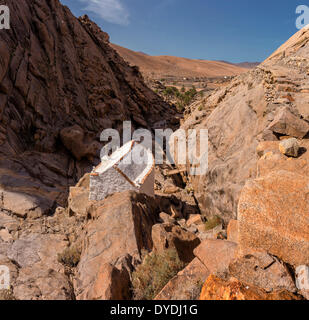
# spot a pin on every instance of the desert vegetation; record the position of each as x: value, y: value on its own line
x: 154, y: 273
x: 182, y: 98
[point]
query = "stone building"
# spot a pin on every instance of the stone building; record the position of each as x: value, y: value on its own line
x: 120, y: 173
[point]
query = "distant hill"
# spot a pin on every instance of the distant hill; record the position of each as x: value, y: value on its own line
x: 169, y: 66
x: 246, y: 65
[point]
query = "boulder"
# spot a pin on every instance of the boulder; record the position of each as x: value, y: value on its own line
x: 166, y: 236
x: 231, y: 148
x: 273, y: 216
x: 219, y: 289
x: 120, y: 226
x: 170, y: 189
x: 40, y: 283
x: 268, y: 135
x: 216, y: 255
x: 262, y: 270
x: 186, y: 285
x: 286, y: 123
x: 23, y: 205
x: 289, y: 147
x: 34, y: 248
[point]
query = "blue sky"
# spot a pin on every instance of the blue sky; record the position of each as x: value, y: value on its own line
x: 232, y: 30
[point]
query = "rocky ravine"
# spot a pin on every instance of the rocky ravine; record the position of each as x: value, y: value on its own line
x: 89, y: 249
x: 258, y: 175
x: 61, y: 84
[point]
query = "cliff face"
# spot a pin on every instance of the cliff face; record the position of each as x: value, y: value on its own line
x: 61, y: 84
x: 268, y: 103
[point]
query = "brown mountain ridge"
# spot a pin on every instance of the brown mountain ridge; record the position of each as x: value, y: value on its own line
x: 157, y: 67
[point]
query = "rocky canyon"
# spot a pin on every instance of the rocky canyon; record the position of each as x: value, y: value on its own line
x: 239, y: 232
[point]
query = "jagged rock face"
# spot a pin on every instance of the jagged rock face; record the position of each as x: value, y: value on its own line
x: 273, y: 215
x: 246, y: 112
x: 59, y: 79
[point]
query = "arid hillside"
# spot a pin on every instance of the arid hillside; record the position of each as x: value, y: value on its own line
x: 167, y: 66
x: 61, y: 84
x: 268, y: 103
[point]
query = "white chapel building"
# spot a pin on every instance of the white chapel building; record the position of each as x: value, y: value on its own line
x: 119, y: 173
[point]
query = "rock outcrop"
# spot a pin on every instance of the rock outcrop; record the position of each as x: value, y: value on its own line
x: 273, y: 215
x: 219, y: 289
x: 262, y: 270
x: 119, y: 229
x: 216, y: 255
x: 273, y: 208
x: 186, y: 284
x: 61, y: 84
x: 289, y: 147
x: 35, y: 271
x: 264, y: 104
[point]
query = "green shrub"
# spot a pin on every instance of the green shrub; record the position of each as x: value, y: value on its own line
x: 212, y: 223
x: 180, y: 107
x: 171, y: 92
x: 181, y: 98
x: 154, y: 273
x: 70, y: 256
